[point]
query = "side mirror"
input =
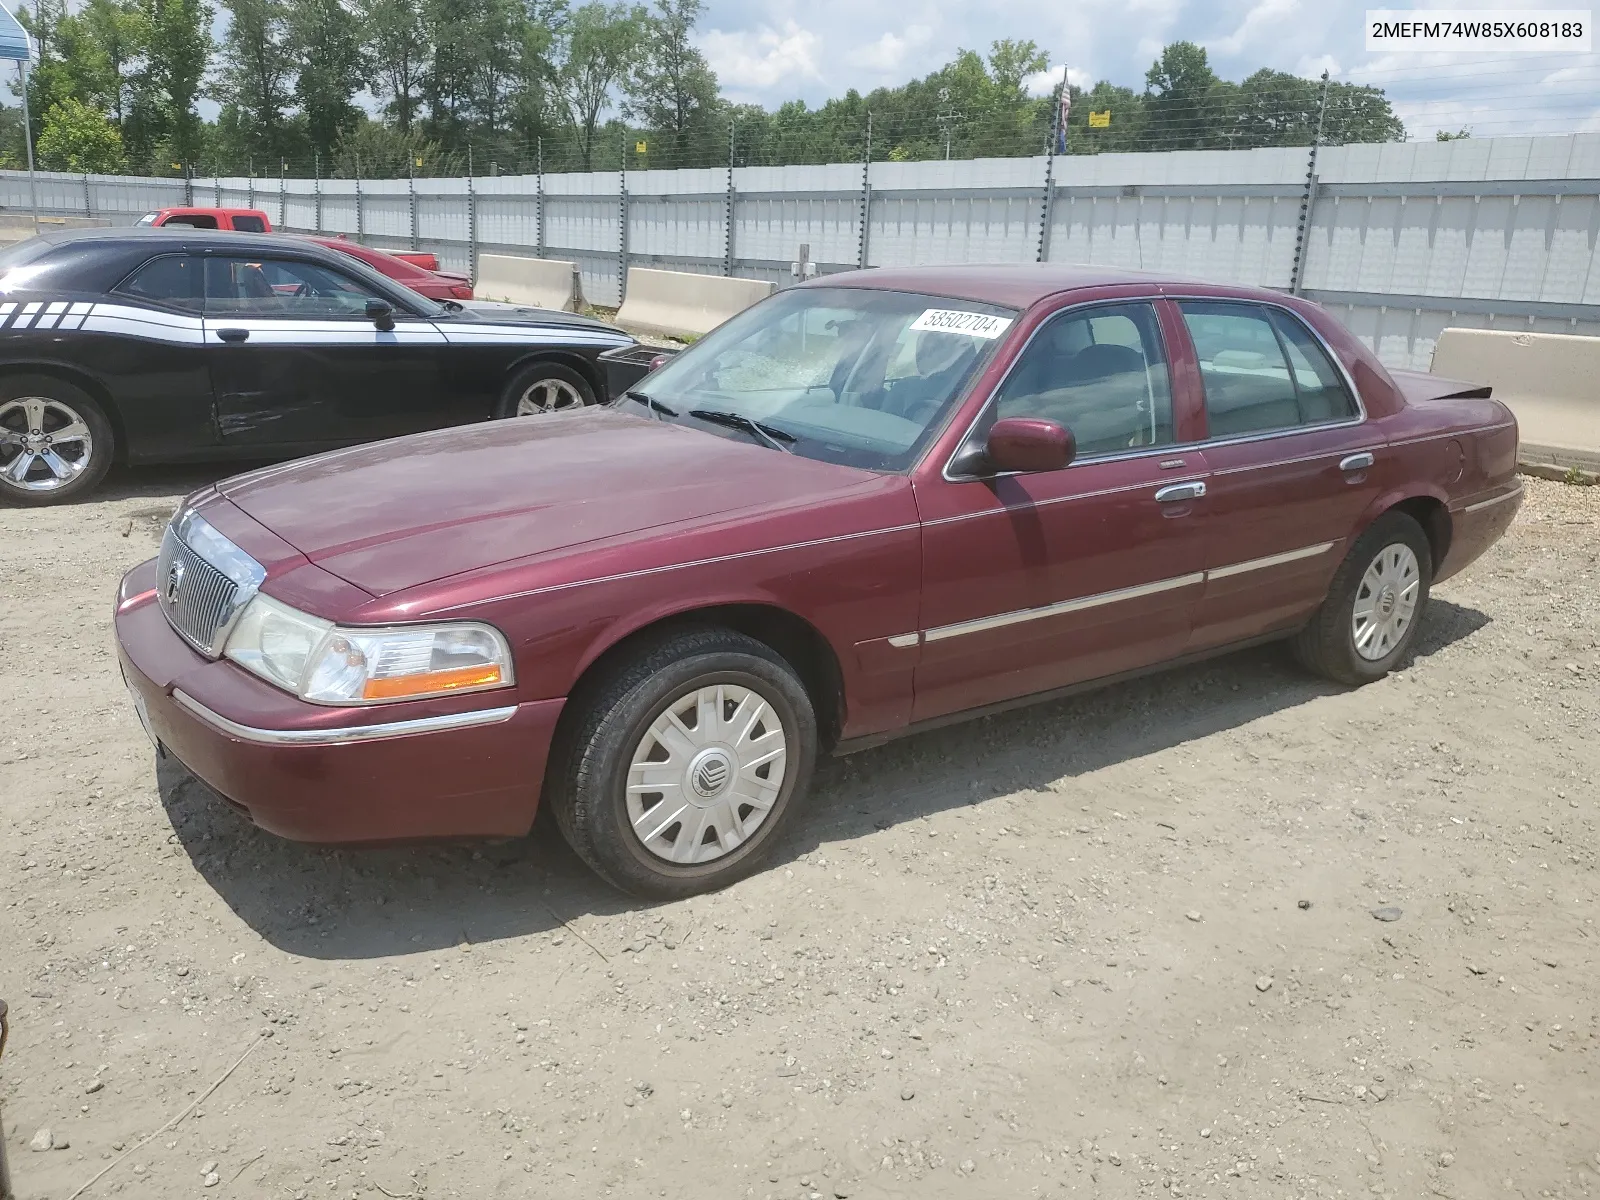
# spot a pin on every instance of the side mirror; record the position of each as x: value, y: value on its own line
x: 381, y: 314
x: 1029, y: 444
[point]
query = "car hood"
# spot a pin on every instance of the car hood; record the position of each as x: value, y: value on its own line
x: 392, y: 515
x: 500, y: 313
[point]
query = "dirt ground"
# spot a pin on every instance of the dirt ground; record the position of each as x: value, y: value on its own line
x: 1119, y: 946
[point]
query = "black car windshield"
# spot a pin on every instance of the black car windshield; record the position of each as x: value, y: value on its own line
x: 855, y: 376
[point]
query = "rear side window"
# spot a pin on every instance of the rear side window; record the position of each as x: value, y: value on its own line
x: 173, y: 280
x: 247, y: 224
x: 1262, y: 370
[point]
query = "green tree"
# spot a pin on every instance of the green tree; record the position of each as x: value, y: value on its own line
x: 121, y: 35
x: 1125, y: 131
x: 255, y: 80
x: 601, y: 42
x: 324, y: 38
x: 1178, y: 87
x: 166, y: 88
x: 395, y: 40
x: 77, y: 138
x: 1444, y: 135
x: 672, y: 90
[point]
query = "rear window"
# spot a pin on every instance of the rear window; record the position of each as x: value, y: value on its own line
x: 247, y: 224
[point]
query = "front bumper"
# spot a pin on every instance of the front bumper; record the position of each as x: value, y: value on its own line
x: 467, y: 766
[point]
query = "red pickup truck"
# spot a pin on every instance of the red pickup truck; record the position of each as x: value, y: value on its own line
x: 418, y: 270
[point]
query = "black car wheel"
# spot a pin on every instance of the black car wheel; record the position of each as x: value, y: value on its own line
x: 1374, y: 605
x: 682, y: 763
x: 544, y: 388
x: 55, y: 441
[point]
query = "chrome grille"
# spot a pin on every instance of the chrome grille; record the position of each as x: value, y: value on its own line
x: 201, y: 598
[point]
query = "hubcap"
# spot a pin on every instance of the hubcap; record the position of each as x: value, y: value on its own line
x: 44, y: 444
x: 706, y: 774
x: 1386, y: 602
x: 548, y: 396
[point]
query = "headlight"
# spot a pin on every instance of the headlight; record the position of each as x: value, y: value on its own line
x: 332, y: 664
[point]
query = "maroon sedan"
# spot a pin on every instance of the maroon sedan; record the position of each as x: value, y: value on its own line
x: 869, y: 505
x: 434, y: 284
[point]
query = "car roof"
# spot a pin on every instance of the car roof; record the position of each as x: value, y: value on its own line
x: 1014, y: 285
x: 178, y: 235
x: 212, y: 208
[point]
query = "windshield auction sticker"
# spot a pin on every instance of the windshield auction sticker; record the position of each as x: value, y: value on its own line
x: 1540, y: 31
x: 951, y: 320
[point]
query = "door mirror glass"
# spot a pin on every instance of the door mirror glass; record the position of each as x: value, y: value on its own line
x: 1029, y: 444
x: 381, y: 313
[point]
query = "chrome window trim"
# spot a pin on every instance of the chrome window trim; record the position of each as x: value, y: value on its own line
x: 343, y: 734
x: 1168, y: 447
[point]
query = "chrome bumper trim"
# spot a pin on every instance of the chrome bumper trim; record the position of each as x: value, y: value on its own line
x: 1514, y: 494
x: 344, y: 733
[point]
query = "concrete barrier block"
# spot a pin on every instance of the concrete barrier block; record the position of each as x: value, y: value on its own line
x: 1551, y: 381
x: 681, y: 302
x: 542, y: 282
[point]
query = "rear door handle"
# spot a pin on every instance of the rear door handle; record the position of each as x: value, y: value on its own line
x: 234, y: 335
x: 1175, y: 492
x: 1357, y: 462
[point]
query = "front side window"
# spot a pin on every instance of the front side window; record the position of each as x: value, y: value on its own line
x: 173, y: 280
x: 1101, y: 372
x: 244, y: 223
x: 848, y: 375
x: 1262, y: 371
x: 192, y: 220
x: 264, y: 287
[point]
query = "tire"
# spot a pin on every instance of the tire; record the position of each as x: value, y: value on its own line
x: 612, y: 741
x: 544, y: 388
x: 55, y: 441
x: 1391, y: 559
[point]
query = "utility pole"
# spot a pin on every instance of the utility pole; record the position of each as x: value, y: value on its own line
x: 1058, y: 132
x: 727, y: 215
x: 538, y: 204
x: 1308, y: 198
x: 866, y: 194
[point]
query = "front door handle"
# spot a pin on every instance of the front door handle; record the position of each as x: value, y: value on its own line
x: 1357, y: 462
x: 1175, y: 492
x: 234, y: 335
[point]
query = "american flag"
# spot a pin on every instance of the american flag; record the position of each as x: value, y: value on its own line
x: 1061, y: 116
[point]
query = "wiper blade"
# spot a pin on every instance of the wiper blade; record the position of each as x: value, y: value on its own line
x: 778, y: 439
x: 651, y: 403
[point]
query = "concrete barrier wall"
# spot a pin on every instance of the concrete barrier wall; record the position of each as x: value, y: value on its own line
x: 681, y: 302
x: 1550, y: 380
x: 543, y: 282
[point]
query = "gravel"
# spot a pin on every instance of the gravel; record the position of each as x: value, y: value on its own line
x: 151, y: 939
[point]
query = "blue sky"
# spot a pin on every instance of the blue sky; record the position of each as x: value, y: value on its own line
x: 769, y: 51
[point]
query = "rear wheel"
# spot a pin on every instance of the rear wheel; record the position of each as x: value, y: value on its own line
x: 682, y: 765
x: 1374, y: 606
x: 55, y: 441
x: 545, y: 388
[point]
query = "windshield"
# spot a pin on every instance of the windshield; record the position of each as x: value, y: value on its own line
x: 847, y: 375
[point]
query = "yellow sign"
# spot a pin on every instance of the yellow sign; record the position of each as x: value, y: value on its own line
x: 177, y: 166
x: 640, y: 147
x: 419, y: 160
x: 1099, y: 120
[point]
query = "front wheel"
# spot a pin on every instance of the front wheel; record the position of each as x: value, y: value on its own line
x: 55, y: 441
x: 1374, y: 606
x: 681, y: 766
x: 544, y: 388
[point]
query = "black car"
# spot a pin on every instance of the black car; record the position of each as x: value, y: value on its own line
x: 169, y: 345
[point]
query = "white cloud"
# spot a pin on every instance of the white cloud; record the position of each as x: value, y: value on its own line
x: 762, y: 58
x: 890, y: 51
x: 1311, y: 68
x: 1046, y: 81
x: 1258, y: 21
